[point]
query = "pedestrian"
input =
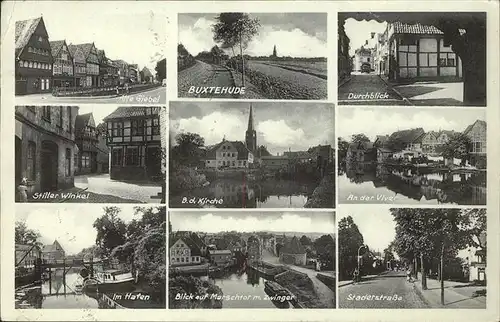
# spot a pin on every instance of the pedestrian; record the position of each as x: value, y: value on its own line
x: 355, y: 275
x: 22, y: 190
x: 408, y: 275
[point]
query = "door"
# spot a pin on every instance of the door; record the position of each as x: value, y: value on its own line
x: 93, y: 162
x: 153, y: 163
x: 49, y: 162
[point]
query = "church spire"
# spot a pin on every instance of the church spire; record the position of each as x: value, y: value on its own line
x: 250, y: 119
x: 275, y: 54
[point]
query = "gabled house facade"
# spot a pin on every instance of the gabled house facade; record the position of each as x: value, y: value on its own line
x: 108, y: 74
x: 419, y: 52
x: 63, y: 74
x: 231, y: 154
x: 134, y: 141
x: 53, y: 252
x: 293, y: 252
x: 33, y: 57
x: 183, y: 251
x: 477, y: 134
x: 430, y: 142
x: 80, y: 66
x: 90, y: 152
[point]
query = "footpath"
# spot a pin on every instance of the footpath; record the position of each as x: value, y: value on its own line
x: 364, y: 277
x: 456, y: 294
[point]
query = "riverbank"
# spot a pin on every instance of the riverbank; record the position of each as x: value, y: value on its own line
x: 301, y: 286
x: 324, y: 194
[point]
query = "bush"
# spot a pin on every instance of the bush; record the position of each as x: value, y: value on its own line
x: 184, y: 178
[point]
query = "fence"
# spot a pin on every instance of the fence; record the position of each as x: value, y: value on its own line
x: 100, y: 91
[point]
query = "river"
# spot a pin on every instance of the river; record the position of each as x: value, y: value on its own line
x: 233, y: 193
x: 60, y: 293
x: 380, y: 184
x: 250, y: 284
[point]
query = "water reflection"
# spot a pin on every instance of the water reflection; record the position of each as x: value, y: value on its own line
x: 246, y: 290
x: 383, y: 184
x: 270, y: 193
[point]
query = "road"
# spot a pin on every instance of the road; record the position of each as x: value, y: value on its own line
x: 392, y: 284
x: 202, y: 74
x: 102, y: 184
x: 153, y: 96
x: 361, y: 84
x: 326, y: 295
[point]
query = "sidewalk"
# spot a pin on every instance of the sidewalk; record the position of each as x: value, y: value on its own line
x: 456, y: 294
x: 364, y: 277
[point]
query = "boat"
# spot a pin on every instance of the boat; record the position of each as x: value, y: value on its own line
x: 109, y: 280
x: 275, y: 289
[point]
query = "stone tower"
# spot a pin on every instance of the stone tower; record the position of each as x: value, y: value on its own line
x: 275, y: 54
x: 251, y: 134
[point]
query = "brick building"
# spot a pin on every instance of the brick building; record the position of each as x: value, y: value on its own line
x: 45, y: 146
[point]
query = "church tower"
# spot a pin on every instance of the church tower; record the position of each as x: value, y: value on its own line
x: 251, y: 134
x: 275, y: 54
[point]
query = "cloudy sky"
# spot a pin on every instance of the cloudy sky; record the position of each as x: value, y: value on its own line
x: 72, y: 230
x: 376, y: 225
x: 279, y: 126
x: 381, y: 121
x: 307, y: 222
x: 360, y: 31
x: 129, y: 31
x: 98, y: 111
x: 294, y: 34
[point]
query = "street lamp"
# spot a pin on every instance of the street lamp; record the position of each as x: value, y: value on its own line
x: 359, y: 271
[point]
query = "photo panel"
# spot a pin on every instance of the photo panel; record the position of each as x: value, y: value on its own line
x: 251, y: 155
x: 412, y: 58
x: 111, y: 258
x: 90, y: 154
x: 425, y: 156
x: 251, y: 260
x: 98, y: 64
x: 412, y: 258
x: 240, y: 55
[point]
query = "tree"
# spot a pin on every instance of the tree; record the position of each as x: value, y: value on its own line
x: 234, y: 28
x: 111, y: 230
x: 161, y: 69
x: 350, y: 239
x: 342, y: 146
x: 430, y: 233
x: 26, y: 236
x: 305, y: 241
x: 458, y: 147
x: 359, y: 138
x: 325, y: 249
x: 187, y: 151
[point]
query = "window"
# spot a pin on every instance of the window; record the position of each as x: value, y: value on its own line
x: 30, y: 65
x: 61, y: 109
x: 46, y: 112
x: 30, y: 49
x: 223, y: 154
x: 21, y: 63
x: 85, y: 161
x: 75, y: 163
x: 117, y: 156
x: 40, y: 38
x: 447, y: 60
x: 137, y: 127
x: 132, y: 156
x: 68, y: 162
x: 408, y: 41
x: 244, y: 163
x: 234, y: 164
x: 26, y: 64
x: 156, y: 126
x: 30, y: 169
x: 70, y: 124
x: 117, y: 129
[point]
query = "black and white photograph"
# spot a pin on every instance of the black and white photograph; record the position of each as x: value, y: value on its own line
x: 251, y: 260
x: 89, y: 55
x: 426, y: 156
x: 110, y: 258
x: 252, y: 55
x: 90, y: 154
x: 420, y: 258
x: 251, y: 155
x: 412, y: 58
